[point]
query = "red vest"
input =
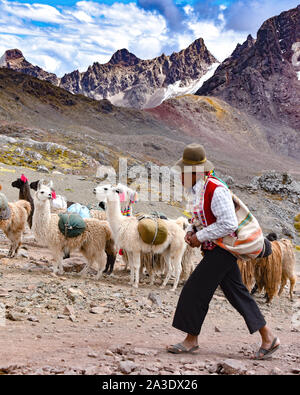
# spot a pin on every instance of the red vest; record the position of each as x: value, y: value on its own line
x: 212, y: 183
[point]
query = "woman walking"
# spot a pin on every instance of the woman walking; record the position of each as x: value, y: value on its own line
x: 214, y: 217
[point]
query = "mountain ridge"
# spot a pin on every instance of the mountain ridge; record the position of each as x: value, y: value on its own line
x: 260, y: 76
x: 125, y: 79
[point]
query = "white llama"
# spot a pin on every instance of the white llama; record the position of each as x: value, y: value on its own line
x: 91, y: 243
x: 126, y: 236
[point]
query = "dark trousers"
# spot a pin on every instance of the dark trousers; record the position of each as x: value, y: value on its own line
x: 218, y: 267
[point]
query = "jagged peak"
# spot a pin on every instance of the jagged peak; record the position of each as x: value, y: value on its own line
x: 124, y: 57
x: 12, y: 54
x: 250, y: 41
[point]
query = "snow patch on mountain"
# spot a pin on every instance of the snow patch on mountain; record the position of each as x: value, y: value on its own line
x: 177, y: 90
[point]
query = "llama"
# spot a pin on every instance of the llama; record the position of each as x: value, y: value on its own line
x: 58, y: 202
x: 13, y: 219
x: 126, y: 235
x: 274, y: 271
x: 288, y: 266
x: 128, y: 198
x: 91, y: 243
x: 268, y: 272
x: 22, y: 184
x: 110, y: 248
x: 154, y: 264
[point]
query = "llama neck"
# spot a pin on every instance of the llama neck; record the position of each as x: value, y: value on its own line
x: 25, y: 194
x: 41, y: 219
x: 114, y: 216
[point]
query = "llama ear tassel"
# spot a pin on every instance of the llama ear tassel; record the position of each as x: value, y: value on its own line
x: 24, y: 179
x: 0, y: 187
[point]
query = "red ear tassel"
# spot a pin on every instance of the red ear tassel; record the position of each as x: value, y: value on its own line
x: 24, y: 179
x: 53, y: 195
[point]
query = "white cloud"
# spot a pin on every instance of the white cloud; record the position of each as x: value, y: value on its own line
x: 35, y: 12
x: 219, y: 41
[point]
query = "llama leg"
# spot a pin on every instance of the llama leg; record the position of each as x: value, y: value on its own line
x: 169, y: 271
x: 177, y: 270
x: 136, y: 264
x: 58, y: 263
x: 152, y: 277
x: 89, y: 258
x: 15, y: 239
x: 130, y: 264
x: 283, y: 284
x: 83, y: 272
x: 101, y: 264
x: 292, y: 285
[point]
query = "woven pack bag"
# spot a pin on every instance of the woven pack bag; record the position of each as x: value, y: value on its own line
x: 71, y: 225
x: 248, y: 241
x: 152, y: 230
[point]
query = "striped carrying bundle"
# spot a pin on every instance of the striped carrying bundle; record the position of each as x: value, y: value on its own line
x: 248, y: 241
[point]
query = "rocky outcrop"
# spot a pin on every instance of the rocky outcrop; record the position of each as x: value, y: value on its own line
x: 277, y: 183
x: 262, y: 76
x: 127, y: 80
x: 14, y: 59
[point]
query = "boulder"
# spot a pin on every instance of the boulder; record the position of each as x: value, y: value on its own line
x: 232, y: 366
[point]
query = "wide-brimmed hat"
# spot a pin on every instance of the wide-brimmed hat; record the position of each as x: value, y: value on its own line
x: 194, y: 159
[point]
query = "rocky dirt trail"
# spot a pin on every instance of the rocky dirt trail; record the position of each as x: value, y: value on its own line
x: 70, y: 325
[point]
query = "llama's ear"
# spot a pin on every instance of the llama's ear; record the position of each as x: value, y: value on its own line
x: 33, y: 185
x: 39, y: 185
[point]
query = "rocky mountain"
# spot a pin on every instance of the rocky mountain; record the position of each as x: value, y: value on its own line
x: 14, y: 59
x: 127, y: 80
x: 262, y: 77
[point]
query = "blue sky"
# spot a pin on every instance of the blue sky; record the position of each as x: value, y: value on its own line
x: 63, y: 35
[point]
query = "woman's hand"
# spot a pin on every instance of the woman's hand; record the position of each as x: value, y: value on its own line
x: 193, y: 241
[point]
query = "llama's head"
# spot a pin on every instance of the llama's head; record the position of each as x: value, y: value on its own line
x: 126, y: 195
x: 34, y: 186
x: 182, y: 222
x: 272, y: 237
x: 44, y: 191
x: 20, y: 182
x: 106, y: 192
